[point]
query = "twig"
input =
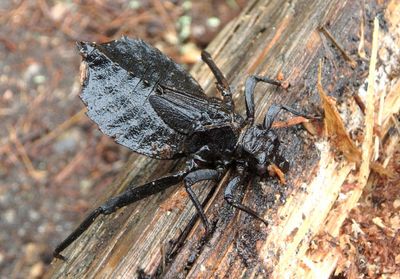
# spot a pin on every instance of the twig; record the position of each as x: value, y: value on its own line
x: 159, y: 6
x: 361, y: 51
x: 61, y: 128
x: 346, y: 56
x: 359, y: 102
x: 69, y: 33
x: 379, y: 122
x: 70, y: 167
x: 367, y: 148
x: 34, y: 173
x: 291, y: 122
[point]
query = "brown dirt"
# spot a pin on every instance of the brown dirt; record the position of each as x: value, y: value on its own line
x: 370, y: 236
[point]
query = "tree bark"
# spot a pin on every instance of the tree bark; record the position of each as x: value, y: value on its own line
x: 161, y: 235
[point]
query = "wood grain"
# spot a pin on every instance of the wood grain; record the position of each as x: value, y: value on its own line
x: 268, y: 38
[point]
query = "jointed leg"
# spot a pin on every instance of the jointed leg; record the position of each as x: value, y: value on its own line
x: 275, y: 109
x: 129, y: 196
x: 250, y: 85
x: 229, y: 197
x: 190, y: 180
x: 222, y: 83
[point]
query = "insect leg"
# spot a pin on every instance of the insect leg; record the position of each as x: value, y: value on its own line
x: 190, y: 180
x: 228, y: 196
x: 222, y: 84
x: 275, y: 109
x: 250, y: 85
x: 127, y: 197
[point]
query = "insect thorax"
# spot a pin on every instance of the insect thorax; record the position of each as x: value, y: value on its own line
x: 211, y: 145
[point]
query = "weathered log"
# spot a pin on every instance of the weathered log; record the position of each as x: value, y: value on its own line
x: 160, y: 234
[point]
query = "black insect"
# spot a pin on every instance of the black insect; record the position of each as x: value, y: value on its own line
x: 150, y: 104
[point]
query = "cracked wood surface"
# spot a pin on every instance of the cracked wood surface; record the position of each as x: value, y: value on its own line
x: 268, y: 38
